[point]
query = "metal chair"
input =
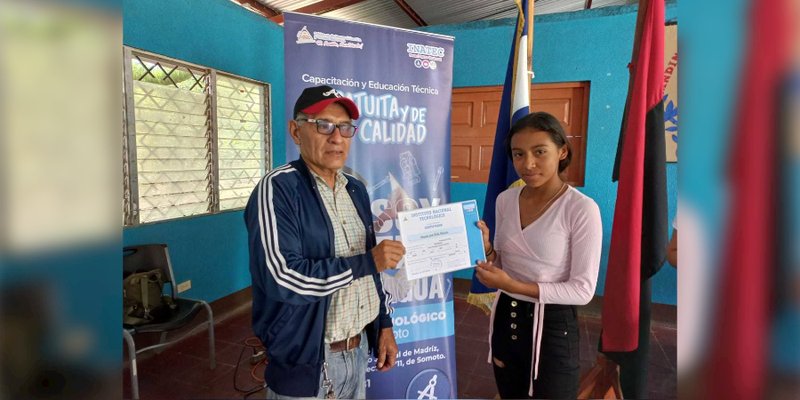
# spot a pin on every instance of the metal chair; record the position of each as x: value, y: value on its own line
x: 148, y: 257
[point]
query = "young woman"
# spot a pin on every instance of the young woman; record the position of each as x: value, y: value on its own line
x: 544, y: 261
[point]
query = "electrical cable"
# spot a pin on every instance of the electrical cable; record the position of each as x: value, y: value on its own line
x: 257, y: 348
x: 254, y: 391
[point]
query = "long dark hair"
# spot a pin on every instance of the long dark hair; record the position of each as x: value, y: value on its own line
x: 542, y: 121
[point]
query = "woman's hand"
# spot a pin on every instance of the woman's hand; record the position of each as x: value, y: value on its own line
x: 487, y: 245
x: 485, y: 233
x: 492, y: 276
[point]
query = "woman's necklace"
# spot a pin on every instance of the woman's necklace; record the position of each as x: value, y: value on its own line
x: 549, y: 202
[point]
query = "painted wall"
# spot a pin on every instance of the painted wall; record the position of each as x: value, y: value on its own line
x: 209, y: 250
x: 593, y: 45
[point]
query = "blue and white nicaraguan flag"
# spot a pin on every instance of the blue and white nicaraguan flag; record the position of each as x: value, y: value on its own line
x: 514, y: 105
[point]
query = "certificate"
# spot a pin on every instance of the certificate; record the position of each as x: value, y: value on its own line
x: 440, y: 239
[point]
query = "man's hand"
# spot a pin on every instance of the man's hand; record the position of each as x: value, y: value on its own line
x: 387, y: 254
x: 387, y: 350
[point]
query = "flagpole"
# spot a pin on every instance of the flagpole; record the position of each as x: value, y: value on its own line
x: 530, y: 44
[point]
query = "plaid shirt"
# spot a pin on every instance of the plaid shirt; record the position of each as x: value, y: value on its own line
x: 355, y: 306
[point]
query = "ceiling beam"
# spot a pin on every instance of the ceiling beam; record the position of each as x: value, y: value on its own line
x: 319, y: 7
x: 411, y: 13
x: 260, y: 8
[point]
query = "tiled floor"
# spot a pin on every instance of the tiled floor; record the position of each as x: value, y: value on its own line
x: 182, y: 371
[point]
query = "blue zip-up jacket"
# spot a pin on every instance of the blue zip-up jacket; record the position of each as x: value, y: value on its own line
x: 295, y: 272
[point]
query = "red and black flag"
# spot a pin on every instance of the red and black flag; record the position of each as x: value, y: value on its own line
x: 640, y: 229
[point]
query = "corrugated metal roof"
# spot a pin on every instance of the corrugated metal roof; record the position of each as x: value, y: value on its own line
x: 557, y: 6
x: 287, y: 5
x: 450, y: 12
x: 381, y: 12
x: 387, y: 12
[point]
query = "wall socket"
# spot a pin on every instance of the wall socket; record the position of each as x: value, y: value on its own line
x: 184, y: 286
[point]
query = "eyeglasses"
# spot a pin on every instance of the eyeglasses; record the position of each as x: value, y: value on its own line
x: 325, y: 127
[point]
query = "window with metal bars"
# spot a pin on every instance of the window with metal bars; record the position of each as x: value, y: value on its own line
x: 196, y: 139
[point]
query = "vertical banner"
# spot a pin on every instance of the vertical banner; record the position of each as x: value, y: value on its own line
x: 401, y: 81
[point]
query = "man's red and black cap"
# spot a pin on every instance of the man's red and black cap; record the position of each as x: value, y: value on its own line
x: 315, y: 99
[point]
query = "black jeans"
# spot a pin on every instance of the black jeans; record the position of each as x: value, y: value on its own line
x: 512, y: 344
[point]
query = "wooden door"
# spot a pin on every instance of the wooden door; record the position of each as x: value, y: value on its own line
x: 474, y: 121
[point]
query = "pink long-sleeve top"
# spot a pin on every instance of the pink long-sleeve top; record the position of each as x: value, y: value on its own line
x: 560, y: 250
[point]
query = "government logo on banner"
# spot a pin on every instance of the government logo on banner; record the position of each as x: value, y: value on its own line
x: 425, y: 56
x: 429, y: 384
x: 323, y: 39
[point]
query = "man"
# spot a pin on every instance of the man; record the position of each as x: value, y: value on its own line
x: 317, y: 293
